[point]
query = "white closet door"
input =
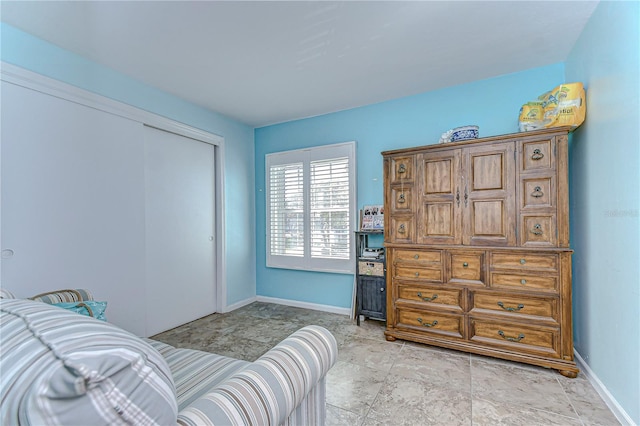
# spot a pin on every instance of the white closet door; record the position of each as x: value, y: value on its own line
x: 72, y: 202
x: 180, y: 240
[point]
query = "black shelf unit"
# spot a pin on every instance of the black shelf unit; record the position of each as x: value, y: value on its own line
x: 371, y: 290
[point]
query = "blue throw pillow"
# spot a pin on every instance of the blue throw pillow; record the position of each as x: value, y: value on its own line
x: 89, y: 308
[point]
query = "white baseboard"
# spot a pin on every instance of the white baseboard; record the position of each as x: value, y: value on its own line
x: 604, y: 393
x: 238, y: 305
x: 305, y: 305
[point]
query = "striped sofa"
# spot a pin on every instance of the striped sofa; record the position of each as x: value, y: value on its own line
x: 58, y: 367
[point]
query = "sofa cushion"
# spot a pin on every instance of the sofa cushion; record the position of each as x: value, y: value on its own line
x: 195, y: 372
x: 58, y: 367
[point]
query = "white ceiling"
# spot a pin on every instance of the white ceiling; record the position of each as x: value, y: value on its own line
x: 269, y: 62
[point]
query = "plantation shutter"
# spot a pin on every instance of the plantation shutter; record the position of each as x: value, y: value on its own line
x: 329, y: 208
x: 286, y: 192
x: 310, y: 197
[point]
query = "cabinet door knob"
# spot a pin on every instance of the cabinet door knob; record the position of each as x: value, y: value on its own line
x: 537, y: 154
x: 523, y: 261
x: 465, y: 265
x: 537, y: 192
x: 416, y: 257
x: 417, y: 274
x: 537, y: 229
x: 523, y: 282
x: 381, y: 288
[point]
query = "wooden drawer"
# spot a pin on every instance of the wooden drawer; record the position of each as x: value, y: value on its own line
x: 430, y: 322
x: 417, y: 272
x: 525, y: 282
x: 538, y: 230
x: 535, y: 339
x: 402, y: 169
x: 537, y: 155
x: 524, y: 261
x: 466, y: 267
x: 537, y: 308
x: 538, y: 192
x: 418, y: 256
x: 401, y: 199
x: 401, y: 229
x: 431, y: 296
x: 375, y: 269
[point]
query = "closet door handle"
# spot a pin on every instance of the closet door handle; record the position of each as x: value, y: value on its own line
x: 458, y: 197
x: 466, y: 196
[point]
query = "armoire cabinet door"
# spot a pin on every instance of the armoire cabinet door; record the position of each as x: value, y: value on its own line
x: 488, y: 195
x: 439, y: 219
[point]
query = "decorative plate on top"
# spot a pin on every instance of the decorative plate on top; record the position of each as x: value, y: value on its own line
x: 462, y: 133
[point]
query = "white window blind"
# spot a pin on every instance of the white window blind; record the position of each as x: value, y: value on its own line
x: 310, y: 200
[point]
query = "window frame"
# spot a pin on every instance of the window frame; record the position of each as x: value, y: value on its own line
x: 306, y: 156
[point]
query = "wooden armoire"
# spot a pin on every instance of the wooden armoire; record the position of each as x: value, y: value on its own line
x: 477, y: 247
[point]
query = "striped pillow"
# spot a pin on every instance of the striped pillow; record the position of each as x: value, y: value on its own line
x: 6, y: 294
x: 57, y: 367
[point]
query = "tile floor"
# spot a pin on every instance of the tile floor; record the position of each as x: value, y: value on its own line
x: 376, y: 382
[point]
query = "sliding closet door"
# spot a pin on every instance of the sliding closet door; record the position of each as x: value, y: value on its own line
x: 72, y: 202
x: 180, y: 240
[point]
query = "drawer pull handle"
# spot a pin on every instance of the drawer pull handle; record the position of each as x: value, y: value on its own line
x: 401, y: 229
x: 428, y: 324
x: 417, y: 274
x: 523, y: 282
x: 537, y: 154
x: 537, y: 229
x: 509, y: 308
x: 428, y: 299
x: 416, y: 256
x: 465, y: 265
x: 522, y: 261
x: 537, y: 192
x: 401, y: 199
x: 402, y: 168
x: 511, y: 339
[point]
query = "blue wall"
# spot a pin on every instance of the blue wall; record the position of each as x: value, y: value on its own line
x: 604, y: 160
x: 492, y: 104
x: 29, y: 52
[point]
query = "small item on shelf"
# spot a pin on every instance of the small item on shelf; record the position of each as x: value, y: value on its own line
x: 462, y: 133
x: 564, y: 105
x: 372, y: 217
x: 373, y: 253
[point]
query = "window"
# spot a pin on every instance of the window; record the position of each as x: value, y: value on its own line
x: 310, y: 200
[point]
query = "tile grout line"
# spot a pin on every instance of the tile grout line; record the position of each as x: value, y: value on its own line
x: 364, y: 418
x: 570, y: 401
